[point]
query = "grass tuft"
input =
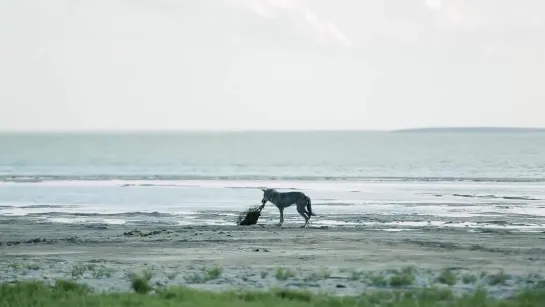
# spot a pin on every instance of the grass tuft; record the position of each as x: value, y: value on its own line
x: 498, y: 279
x: 284, y: 274
x: 102, y: 272
x: 405, y: 277
x: 207, y: 275
x: 320, y: 275
x: 378, y: 280
x: 32, y: 266
x: 140, y: 283
x: 447, y: 277
x: 78, y: 270
x: 469, y: 279
x: 213, y: 273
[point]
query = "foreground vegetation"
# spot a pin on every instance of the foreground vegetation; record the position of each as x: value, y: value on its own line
x: 71, y: 294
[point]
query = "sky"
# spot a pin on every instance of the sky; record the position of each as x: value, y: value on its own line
x: 270, y: 64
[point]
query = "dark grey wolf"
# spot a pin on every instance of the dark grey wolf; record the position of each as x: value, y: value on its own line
x: 283, y: 200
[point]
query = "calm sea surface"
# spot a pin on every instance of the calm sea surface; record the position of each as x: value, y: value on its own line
x: 175, y: 177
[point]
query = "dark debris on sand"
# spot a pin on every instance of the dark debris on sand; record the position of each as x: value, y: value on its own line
x: 140, y: 233
x: 250, y: 216
x: 18, y: 242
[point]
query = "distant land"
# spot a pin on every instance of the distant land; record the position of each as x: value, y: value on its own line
x: 175, y: 132
x: 473, y: 130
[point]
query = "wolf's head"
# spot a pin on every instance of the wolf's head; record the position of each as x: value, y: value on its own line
x: 267, y: 193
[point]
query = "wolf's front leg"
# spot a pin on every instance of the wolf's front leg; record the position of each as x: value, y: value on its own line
x: 281, y: 217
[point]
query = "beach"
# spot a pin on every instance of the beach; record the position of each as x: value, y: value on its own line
x: 406, y: 211
x: 339, y: 260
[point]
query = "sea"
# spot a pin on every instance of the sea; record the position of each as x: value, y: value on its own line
x: 388, y: 180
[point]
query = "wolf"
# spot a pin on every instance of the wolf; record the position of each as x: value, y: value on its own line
x: 283, y: 200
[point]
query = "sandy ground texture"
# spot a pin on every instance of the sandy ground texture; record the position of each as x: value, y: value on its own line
x: 342, y: 260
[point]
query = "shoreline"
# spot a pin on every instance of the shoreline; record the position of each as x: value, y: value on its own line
x: 331, y: 216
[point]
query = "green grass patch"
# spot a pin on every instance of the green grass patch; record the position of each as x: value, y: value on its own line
x: 358, y: 275
x: 320, y: 275
x: 284, y: 274
x: 469, y: 279
x: 172, y: 275
x: 71, y: 294
x: 70, y: 286
x: 102, y: 272
x: 378, y: 280
x: 24, y: 266
x: 447, y: 277
x: 213, y: 273
x: 140, y: 283
x: 498, y: 279
x: 405, y: 277
x: 206, y: 275
x: 78, y: 270
x: 14, y: 266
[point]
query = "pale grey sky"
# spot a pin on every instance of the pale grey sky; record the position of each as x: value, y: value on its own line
x: 271, y: 64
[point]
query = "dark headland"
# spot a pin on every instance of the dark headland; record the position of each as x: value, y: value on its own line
x: 472, y: 130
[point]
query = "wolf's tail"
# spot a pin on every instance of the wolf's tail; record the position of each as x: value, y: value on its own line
x: 309, y: 206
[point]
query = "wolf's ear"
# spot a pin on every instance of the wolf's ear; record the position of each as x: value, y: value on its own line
x: 264, y: 190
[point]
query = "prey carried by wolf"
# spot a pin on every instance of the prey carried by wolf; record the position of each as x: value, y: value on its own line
x: 283, y: 200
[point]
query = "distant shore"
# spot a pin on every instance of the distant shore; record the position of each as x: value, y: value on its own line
x: 473, y: 130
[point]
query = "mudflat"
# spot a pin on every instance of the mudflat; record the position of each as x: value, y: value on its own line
x: 343, y: 260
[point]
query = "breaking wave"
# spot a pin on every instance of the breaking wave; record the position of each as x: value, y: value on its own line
x: 124, y: 214
x: 45, y: 178
x: 496, y: 197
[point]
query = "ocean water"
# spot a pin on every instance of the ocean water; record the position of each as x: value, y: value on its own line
x: 395, y: 181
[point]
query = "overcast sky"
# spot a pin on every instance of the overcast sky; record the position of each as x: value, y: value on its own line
x: 270, y: 64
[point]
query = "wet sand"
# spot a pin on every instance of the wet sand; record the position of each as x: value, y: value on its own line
x: 332, y: 259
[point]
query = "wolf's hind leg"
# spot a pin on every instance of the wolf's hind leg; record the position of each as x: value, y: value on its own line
x: 301, y: 210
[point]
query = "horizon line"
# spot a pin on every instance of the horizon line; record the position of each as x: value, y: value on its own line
x: 173, y: 131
